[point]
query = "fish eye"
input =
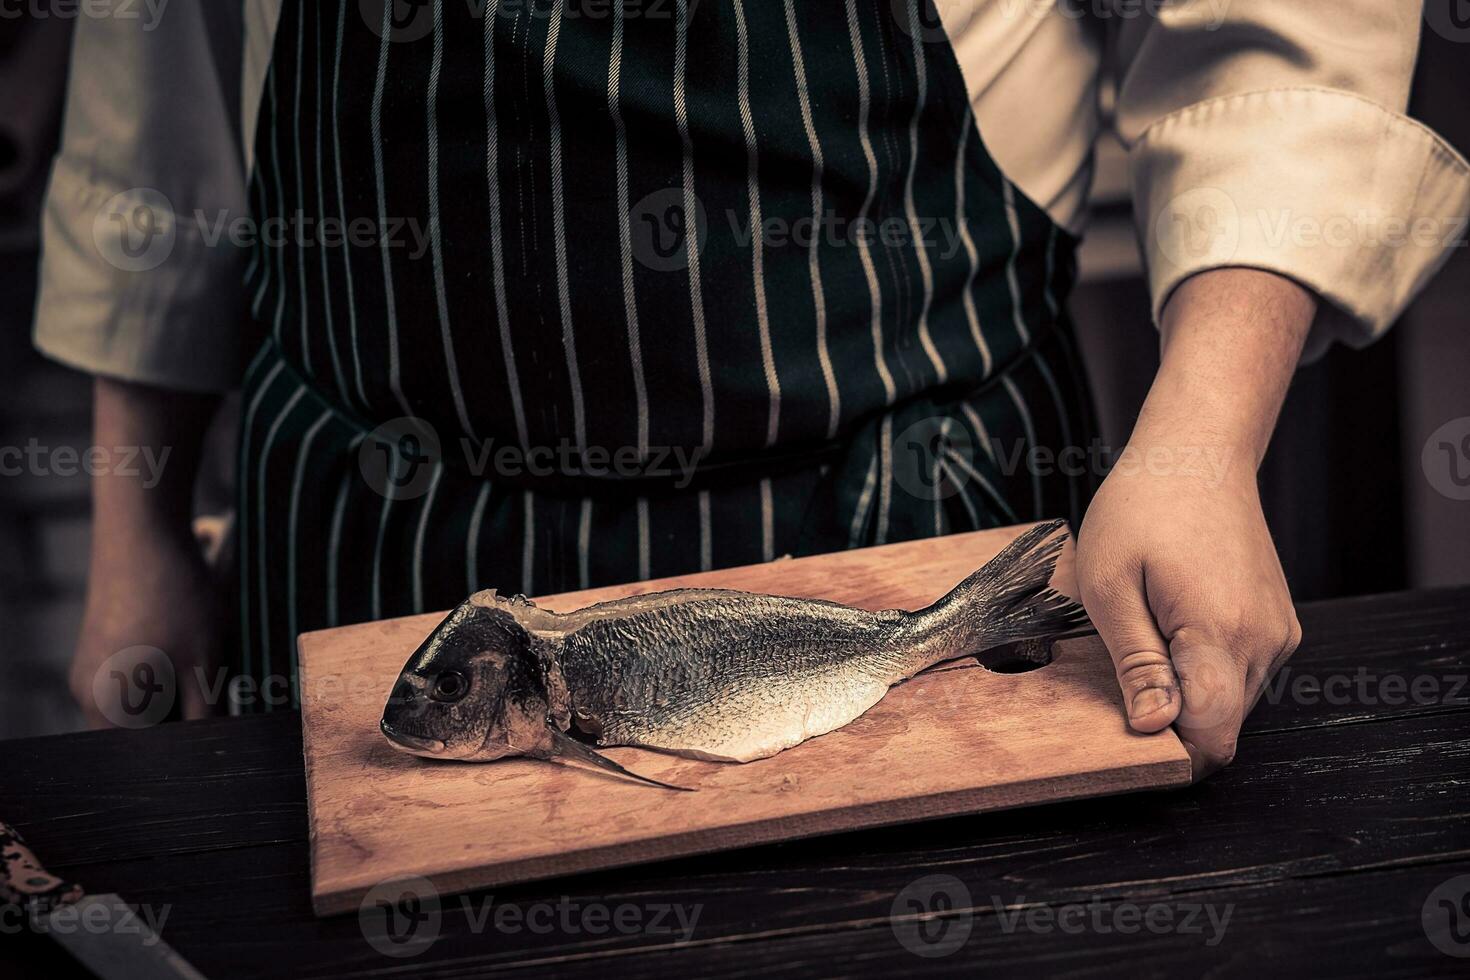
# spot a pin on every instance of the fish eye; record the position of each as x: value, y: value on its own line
x: 450, y: 686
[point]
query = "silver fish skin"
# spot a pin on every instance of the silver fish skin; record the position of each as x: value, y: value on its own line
x: 711, y: 674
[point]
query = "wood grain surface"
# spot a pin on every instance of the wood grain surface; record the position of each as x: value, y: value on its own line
x: 956, y: 739
x: 1339, y: 817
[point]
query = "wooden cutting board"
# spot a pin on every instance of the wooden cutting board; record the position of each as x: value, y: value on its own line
x: 956, y: 739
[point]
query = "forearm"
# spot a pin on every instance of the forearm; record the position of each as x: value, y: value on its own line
x: 166, y: 430
x: 1230, y: 341
x: 1176, y: 564
x: 148, y: 592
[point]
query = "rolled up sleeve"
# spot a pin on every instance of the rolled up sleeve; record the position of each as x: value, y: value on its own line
x: 1271, y: 135
x: 139, y: 277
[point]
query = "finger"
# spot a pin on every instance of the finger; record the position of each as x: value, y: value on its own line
x: 1291, y: 639
x: 1140, y: 654
x: 1215, y: 686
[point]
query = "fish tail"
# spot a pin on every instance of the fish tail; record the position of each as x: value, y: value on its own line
x: 1009, y: 599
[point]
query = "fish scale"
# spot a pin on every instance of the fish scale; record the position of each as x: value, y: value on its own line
x: 711, y: 674
x: 732, y: 678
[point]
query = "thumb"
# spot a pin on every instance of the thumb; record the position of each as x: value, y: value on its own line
x: 1140, y: 654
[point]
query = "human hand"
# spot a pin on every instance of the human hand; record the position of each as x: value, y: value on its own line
x: 1174, y: 560
x: 1179, y: 575
x: 149, y: 631
x: 149, y: 637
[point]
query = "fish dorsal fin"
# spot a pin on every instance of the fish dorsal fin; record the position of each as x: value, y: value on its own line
x: 566, y: 747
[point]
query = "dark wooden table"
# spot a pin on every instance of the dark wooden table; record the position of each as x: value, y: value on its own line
x: 1345, y: 817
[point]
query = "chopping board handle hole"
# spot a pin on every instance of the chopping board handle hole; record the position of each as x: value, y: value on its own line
x: 1020, y: 657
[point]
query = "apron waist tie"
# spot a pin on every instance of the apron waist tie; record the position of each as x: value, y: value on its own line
x: 676, y: 470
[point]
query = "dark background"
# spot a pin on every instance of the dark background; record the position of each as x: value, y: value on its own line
x: 1345, y: 495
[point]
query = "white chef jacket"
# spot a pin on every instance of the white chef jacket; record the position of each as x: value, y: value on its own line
x: 1261, y: 133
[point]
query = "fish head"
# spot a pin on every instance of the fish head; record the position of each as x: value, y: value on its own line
x: 482, y: 686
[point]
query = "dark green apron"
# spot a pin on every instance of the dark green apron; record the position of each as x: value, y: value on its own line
x: 561, y: 294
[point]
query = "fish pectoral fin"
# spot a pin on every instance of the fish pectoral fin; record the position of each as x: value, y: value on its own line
x: 565, y: 747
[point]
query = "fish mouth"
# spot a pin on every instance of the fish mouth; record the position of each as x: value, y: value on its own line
x: 411, y: 743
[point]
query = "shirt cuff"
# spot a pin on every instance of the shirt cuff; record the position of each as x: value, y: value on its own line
x: 1353, y: 201
x: 131, y: 290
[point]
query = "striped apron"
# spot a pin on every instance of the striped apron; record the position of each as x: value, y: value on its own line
x: 560, y: 293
